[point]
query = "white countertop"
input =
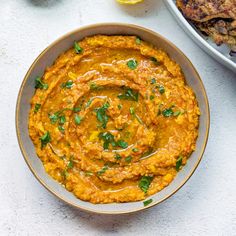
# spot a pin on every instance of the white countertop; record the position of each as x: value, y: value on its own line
x: 206, y: 205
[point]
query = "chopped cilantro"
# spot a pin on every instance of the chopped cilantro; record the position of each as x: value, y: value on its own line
x: 152, y: 97
x: 131, y: 109
x: 53, y: 118
x: 168, y: 112
x: 129, y: 94
x: 138, y: 40
x: 88, y: 173
x: 147, y: 202
x: 64, y: 173
x: 144, y: 183
x: 117, y: 156
x: 161, y: 89
x: 135, y: 150
x: 154, y: 60
x: 61, y: 129
x: 128, y: 159
x: 77, y: 48
x: 103, y: 170
x: 153, y: 81
x: 62, y: 120
x: 102, y: 116
x: 132, y: 112
x: 177, y: 113
x: 76, y: 109
x: 108, y: 139
x: 39, y: 84
x: 94, y: 86
x: 119, y: 106
x: 148, y: 152
x: 45, y: 139
x: 70, y: 164
x: 68, y: 84
x: 78, y: 119
x: 132, y: 64
x: 37, y: 107
x: 122, y: 144
x: 88, y: 103
x: 58, y: 117
x: 179, y: 163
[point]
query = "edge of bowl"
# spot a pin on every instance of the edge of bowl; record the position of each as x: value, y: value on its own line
x: 26, y: 156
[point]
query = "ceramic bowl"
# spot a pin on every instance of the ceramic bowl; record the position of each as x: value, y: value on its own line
x: 49, y: 55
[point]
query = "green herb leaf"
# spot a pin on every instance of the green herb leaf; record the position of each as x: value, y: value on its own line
x: 144, y: 183
x: 168, y: 112
x: 132, y: 64
x: 76, y: 109
x: 138, y: 40
x: 131, y: 109
x: 88, y: 173
x: 108, y: 139
x: 179, y: 163
x: 70, y: 164
x: 177, y: 113
x: 78, y: 119
x: 68, y: 84
x: 153, y: 81
x: 39, y: 84
x: 128, y: 159
x: 119, y: 106
x: 45, y: 139
x: 154, y: 60
x: 62, y: 120
x: 148, y: 152
x: 77, y: 48
x: 94, y: 86
x: 53, y: 118
x: 61, y: 129
x: 88, y: 103
x: 64, y: 173
x: 147, y: 202
x: 152, y: 97
x: 122, y: 144
x: 129, y: 94
x: 56, y: 116
x: 132, y: 112
x: 102, y: 116
x: 161, y: 89
x: 117, y: 156
x: 135, y: 149
x: 103, y: 170
x: 37, y: 107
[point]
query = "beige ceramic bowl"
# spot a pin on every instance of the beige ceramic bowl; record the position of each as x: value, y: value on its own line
x: 48, y: 56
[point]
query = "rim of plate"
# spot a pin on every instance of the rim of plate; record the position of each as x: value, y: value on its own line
x: 24, y: 153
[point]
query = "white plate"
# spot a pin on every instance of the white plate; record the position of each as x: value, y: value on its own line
x: 220, y: 53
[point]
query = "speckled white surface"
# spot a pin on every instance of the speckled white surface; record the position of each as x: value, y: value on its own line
x: 206, y: 205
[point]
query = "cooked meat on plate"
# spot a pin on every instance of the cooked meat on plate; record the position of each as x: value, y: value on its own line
x: 216, y: 18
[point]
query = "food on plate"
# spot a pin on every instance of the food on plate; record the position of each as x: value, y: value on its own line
x: 216, y: 19
x: 113, y: 120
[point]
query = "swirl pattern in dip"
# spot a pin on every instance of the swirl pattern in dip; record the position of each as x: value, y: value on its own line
x: 113, y: 119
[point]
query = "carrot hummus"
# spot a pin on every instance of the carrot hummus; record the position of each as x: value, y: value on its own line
x: 113, y: 120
